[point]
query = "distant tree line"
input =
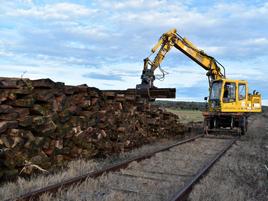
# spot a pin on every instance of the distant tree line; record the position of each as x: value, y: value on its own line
x: 183, y: 105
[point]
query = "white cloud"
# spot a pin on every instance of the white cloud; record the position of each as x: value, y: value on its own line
x: 185, y: 98
x: 256, y: 41
x: 88, y: 31
x: 60, y: 11
x: 265, y: 102
x: 26, y: 1
x: 241, y: 10
x: 213, y: 50
x: 6, y: 54
x: 130, y: 4
x: 75, y: 75
x: 171, y: 16
x: 182, y: 77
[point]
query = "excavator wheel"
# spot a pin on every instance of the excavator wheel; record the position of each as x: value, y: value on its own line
x: 243, y: 125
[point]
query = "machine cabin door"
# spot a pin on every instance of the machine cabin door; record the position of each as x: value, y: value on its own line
x: 229, y: 96
x: 242, y: 94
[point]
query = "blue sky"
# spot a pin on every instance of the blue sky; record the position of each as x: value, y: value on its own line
x: 103, y: 43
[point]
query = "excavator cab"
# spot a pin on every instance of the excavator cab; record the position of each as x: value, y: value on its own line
x: 232, y: 96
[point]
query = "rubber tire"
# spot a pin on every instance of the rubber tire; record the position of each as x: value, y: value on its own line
x: 243, y: 125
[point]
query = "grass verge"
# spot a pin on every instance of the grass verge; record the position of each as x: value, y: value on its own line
x: 187, y: 116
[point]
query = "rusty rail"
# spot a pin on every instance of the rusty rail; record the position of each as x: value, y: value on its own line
x: 186, y: 189
x: 34, y: 195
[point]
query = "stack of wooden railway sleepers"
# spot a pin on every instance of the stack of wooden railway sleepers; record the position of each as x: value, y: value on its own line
x: 43, y: 123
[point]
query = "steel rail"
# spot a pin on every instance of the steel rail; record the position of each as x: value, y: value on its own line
x: 53, y: 188
x: 186, y: 189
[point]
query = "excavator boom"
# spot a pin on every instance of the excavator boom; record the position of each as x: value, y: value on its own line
x: 172, y: 39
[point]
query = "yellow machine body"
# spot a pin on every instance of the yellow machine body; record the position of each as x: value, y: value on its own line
x: 233, y: 96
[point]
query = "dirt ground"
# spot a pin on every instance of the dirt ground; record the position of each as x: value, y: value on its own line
x: 242, y: 174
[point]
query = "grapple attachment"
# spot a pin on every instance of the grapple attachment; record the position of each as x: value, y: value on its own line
x: 146, y: 92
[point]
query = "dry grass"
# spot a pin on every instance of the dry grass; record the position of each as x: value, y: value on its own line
x: 240, y: 175
x: 75, y: 168
x: 187, y: 116
x: 22, y: 185
x: 155, y: 178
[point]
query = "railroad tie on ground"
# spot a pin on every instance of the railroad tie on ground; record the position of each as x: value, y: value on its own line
x: 47, y: 123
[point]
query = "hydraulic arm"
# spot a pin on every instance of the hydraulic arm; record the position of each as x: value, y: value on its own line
x: 172, y: 39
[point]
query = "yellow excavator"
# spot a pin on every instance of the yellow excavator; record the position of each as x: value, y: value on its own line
x: 229, y: 101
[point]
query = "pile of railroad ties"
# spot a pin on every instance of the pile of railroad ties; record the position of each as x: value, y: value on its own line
x: 43, y: 124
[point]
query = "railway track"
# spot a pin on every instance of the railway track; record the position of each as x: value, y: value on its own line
x: 166, y: 174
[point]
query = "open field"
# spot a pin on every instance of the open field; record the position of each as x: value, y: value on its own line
x: 182, y: 105
x: 187, y: 116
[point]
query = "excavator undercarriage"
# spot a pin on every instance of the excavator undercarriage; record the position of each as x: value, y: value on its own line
x: 220, y: 122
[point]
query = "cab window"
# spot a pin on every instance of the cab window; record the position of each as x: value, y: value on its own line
x: 229, y: 92
x: 215, y: 93
x: 241, y: 91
